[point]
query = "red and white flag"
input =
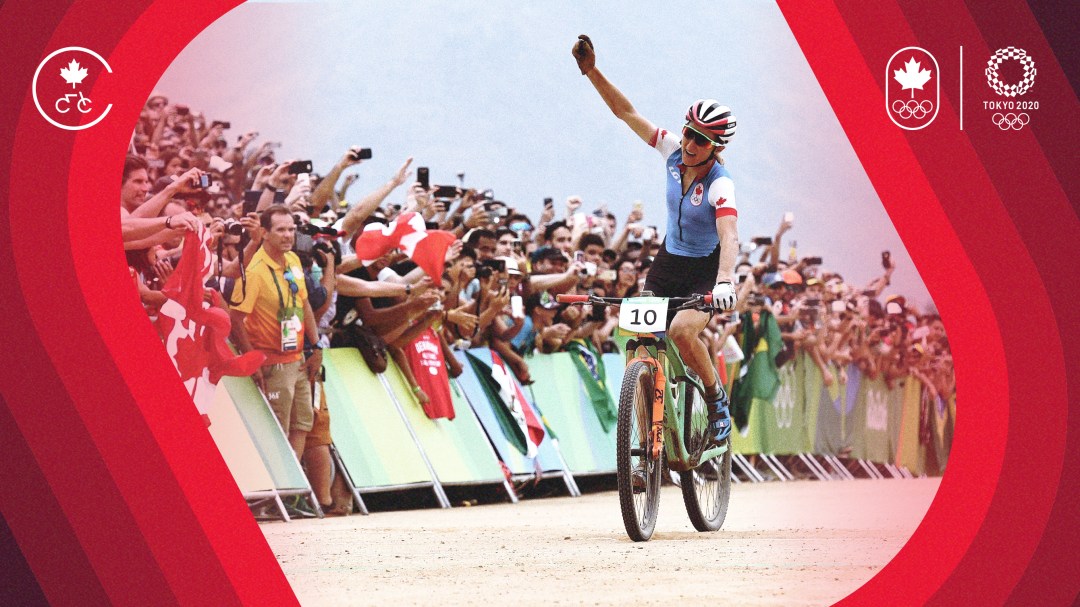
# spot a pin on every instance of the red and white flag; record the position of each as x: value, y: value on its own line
x: 194, y: 330
x: 409, y: 233
x: 520, y: 409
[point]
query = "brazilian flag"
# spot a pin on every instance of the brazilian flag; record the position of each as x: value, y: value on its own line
x: 590, y: 367
x: 761, y: 344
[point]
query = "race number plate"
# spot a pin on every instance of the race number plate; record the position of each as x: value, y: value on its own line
x: 644, y: 315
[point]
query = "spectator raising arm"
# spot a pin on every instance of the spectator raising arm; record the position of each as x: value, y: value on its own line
x: 186, y: 183
x: 356, y: 215
x: 324, y: 192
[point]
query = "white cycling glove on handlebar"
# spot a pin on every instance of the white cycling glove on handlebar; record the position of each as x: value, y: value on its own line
x: 723, y: 296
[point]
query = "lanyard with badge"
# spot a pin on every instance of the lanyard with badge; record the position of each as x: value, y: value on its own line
x: 288, y: 317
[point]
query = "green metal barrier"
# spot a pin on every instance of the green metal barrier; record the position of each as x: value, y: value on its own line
x: 237, y: 447
x: 458, y: 450
x: 267, y: 435
x: 558, y: 392
x: 372, y: 439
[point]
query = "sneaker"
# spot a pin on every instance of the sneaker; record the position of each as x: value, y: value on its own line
x: 637, y: 478
x: 720, y: 418
x: 299, y: 507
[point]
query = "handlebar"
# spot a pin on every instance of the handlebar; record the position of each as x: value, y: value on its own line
x: 676, y: 303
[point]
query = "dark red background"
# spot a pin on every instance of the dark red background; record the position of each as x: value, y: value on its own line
x: 111, y: 492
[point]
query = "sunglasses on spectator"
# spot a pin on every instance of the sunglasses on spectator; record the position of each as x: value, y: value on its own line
x: 697, y: 137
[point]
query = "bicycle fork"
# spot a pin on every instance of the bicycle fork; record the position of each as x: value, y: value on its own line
x: 656, y: 427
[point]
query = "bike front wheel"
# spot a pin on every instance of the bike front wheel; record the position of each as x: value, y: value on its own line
x: 707, y: 488
x: 638, y: 472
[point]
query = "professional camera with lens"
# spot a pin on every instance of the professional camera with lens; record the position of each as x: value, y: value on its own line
x: 313, y: 230
x: 322, y: 251
x: 487, y: 267
x: 234, y: 227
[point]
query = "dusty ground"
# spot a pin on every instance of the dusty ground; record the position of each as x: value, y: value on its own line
x: 783, y: 544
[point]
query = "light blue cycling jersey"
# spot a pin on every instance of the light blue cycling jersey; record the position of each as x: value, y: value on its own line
x: 691, y: 227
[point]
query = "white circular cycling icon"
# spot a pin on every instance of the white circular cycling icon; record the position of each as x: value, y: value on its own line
x: 72, y: 104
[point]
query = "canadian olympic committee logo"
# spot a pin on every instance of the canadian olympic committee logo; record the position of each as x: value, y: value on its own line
x: 1010, y: 73
x: 912, y: 88
x: 60, y: 88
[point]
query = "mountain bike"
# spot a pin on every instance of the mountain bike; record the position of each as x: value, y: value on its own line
x: 663, y: 418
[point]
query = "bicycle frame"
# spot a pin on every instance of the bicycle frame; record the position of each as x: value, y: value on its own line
x: 668, y: 410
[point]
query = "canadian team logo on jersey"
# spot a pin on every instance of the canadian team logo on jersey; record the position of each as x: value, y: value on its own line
x: 912, y: 88
x: 699, y: 193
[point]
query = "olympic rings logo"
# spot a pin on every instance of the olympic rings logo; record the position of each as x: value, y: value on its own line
x: 999, y: 57
x: 913, y: 109
x: 1010, y: 120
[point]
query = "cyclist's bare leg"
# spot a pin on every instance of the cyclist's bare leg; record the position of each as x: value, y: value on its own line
x: 685, y: 331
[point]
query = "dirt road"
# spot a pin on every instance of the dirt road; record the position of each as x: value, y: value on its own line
x: 783, y: 544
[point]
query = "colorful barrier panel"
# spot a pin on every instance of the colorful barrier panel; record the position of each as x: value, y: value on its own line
x: 266, y: 434
x: 548, y: 458
x: 910, y: 452
x: 862, y: 419
x: 237, y: 447
x: 385, y: 441
x: 558, y: 392
x: 458, y: 450
x: 372, y: 439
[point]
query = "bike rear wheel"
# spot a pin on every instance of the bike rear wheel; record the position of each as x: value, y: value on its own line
x: 707, y: 488
x: 635, y: 417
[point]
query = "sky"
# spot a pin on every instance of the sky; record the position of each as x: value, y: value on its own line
x: 490, y: 90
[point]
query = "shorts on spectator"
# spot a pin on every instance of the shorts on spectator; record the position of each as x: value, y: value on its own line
x: 289, y: 394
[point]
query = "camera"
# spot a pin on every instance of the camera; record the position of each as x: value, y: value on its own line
x: 590, y: 267
x: 322, y: 251
x: 446, y: 191
x: 359, y: 153
x: 304, y: 244
x: 812, y: 261
x: 203, y: 182
x: 487, y: 267
x: 300, y: 166
x: 497, y: 209
x: 762, y: 241
x: 234, y: 227
x: 313, y: 230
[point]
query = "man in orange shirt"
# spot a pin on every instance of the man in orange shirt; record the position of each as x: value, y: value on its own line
x: 274, y: 317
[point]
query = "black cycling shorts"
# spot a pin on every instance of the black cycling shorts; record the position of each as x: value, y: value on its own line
x: 672, y: 275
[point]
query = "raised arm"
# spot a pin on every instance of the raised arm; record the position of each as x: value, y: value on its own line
x: 617, y: 102
x: 356, y: 215
x: 324, y: 192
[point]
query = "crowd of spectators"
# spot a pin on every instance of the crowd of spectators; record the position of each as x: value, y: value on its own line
x: 500, y: 277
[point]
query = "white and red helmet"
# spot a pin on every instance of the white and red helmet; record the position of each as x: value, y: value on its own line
x: 711, y: 119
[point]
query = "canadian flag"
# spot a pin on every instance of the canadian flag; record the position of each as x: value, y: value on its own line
x: 408, y: 233
x: 194, y: 330
x: 523, y: 414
